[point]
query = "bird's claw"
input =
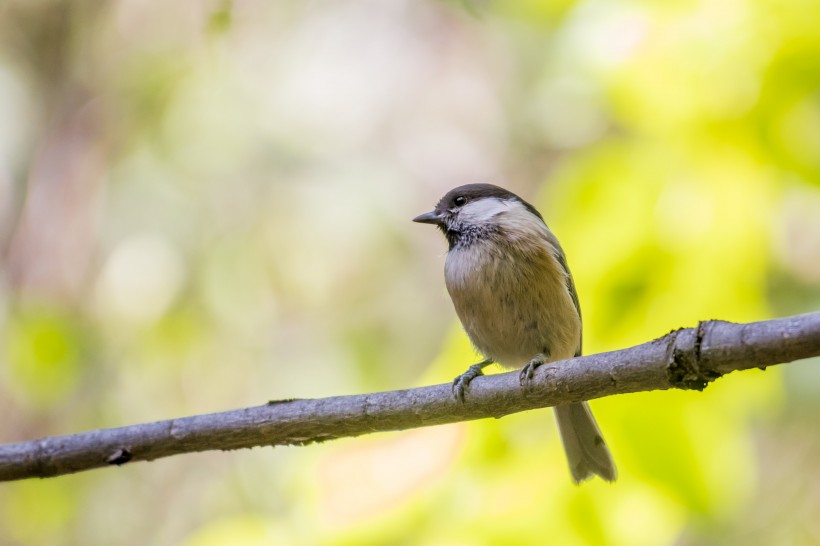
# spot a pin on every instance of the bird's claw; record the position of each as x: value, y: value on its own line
x: 462, y: 382
x: 528, y: 371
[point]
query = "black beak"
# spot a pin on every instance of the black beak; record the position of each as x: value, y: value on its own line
x: 430, y: 218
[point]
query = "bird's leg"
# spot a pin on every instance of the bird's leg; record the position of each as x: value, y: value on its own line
x: 529, y: 370
x: 461, y: 382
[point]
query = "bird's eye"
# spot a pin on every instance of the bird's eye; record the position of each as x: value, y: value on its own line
x: 460, y: 200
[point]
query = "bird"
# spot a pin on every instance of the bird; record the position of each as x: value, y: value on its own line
x: 513, y: 292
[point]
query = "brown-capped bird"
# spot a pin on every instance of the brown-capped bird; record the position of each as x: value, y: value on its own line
x: 514, y: 294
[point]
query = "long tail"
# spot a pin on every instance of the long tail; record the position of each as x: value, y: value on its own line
x: 586, y: 450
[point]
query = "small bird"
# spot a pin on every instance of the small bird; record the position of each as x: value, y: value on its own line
x: 513, y: 292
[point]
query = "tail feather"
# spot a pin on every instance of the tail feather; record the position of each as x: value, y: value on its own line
x: 586, y: 450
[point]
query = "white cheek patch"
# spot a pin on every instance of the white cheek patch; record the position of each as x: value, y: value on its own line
x: 483, y: 210
x: 523, y: 221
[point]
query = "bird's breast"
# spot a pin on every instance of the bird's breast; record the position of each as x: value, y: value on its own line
x: 513, y: 301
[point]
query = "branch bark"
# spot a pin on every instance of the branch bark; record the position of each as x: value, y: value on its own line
x: 688, y: 358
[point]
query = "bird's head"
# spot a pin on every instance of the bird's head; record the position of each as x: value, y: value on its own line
x: 474, y: 211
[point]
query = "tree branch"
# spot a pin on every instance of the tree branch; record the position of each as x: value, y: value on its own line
x: 686, y: 359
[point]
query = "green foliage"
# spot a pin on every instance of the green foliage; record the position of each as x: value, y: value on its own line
x: 45, y: 354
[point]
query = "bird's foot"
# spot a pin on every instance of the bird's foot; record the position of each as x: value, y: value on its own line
x: 462, y: 382
x: 527, y: 372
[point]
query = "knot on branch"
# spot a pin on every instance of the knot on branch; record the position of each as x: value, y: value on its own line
x: 120, y: 457
x: 687, y: 368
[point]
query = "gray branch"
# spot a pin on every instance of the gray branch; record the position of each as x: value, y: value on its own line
x: 689, y: 358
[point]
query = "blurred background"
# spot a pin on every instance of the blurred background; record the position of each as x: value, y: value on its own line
x: 206, y: 205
